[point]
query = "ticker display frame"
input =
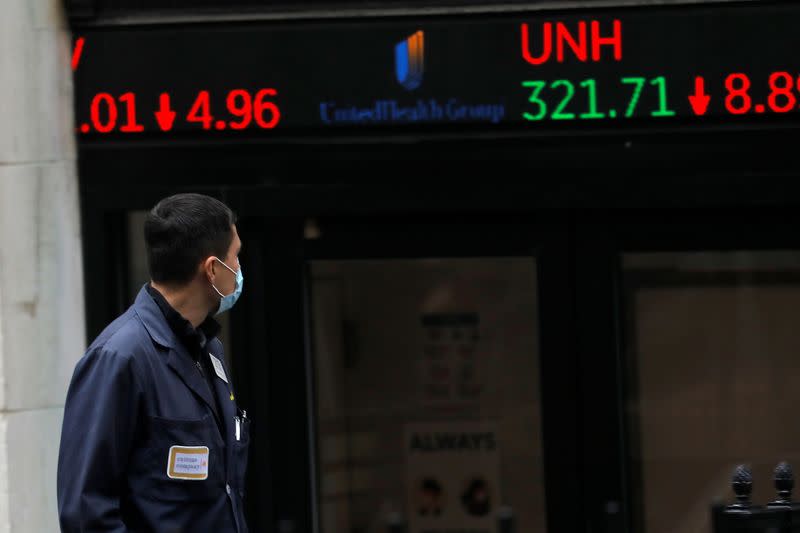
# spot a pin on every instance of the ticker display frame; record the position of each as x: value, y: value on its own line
x: 101, y: 85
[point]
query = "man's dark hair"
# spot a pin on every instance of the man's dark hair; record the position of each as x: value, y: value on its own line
x: 181, y: 231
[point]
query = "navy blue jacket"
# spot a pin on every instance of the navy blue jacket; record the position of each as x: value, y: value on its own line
x: 135, y: 395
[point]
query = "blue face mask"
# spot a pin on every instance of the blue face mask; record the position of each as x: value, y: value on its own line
x: 227, y: 301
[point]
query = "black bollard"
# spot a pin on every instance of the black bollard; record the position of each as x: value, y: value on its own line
x: 784, y: 483
x: 505, y: 520
x: 742, y: 484
x: 744, y: 517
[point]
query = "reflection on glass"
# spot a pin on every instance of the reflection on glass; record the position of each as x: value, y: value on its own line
x: 712, y: 351
x: 427, y: 394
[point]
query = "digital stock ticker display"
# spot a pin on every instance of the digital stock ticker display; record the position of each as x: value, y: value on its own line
x: 628, y: 68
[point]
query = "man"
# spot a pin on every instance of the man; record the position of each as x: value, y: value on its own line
x: 152, y: 439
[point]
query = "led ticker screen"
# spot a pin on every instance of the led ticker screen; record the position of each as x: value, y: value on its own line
x: 628, y: 68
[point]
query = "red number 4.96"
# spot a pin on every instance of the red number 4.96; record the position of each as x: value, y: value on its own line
x: 241, y: 105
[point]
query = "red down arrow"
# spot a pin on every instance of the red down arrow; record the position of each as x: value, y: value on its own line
x: 699, y: 99
x: 165, y: 115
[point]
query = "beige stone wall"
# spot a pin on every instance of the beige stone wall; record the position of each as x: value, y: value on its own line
x: 41, y: 287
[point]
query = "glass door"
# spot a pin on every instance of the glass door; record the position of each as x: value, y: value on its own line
x: 427, y: 371
x: 707, y: 345
x: 712, y: 347
x: 428, y: 394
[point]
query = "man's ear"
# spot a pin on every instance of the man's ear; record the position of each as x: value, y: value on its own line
x: 209, y: 268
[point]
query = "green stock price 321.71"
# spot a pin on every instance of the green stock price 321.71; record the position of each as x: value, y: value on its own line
x: 554, y: 100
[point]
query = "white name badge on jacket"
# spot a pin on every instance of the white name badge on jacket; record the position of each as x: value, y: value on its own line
x: 188, y: 462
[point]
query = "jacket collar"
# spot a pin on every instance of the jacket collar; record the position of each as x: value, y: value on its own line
x: 178, y: 357
x: 153, y: 319
x: 194, y: 338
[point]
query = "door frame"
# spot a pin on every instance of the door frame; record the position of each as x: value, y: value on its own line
x: 601, y: 242
x: 464, y: 236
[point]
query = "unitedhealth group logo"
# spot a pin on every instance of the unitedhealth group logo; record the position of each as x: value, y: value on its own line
x: 409, y: 68
x: 409, y: 61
